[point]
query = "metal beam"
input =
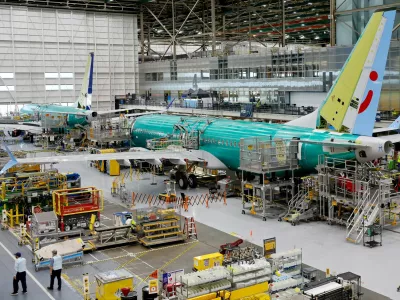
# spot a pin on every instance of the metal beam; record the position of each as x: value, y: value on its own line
x: 142, y: 34
x: 166, y: 30
x: 192, y: 12
x: 396, y: 27
x: 187, y: 17
x: 213, y: 48
x: 283, y: 24
x: 173, y: 31
x: 332, y: 34
x: 230, y: 21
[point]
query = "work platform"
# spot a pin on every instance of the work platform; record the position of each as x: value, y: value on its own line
x: 106, y: 132
x: 274, y: 162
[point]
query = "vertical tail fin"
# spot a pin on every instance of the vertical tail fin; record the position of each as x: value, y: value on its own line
x: 88, y: 104
x: 396, y: 124
x: 352, y: 102
x: 85, y: 96
x: 11, y: 163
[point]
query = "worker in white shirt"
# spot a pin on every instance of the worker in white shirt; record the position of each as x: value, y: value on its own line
x: 20, y: 269
x: 55, y: 269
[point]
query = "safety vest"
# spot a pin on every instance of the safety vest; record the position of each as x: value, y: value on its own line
x: 133, y: 223
x: 398, y: 159
x: 57, y: 264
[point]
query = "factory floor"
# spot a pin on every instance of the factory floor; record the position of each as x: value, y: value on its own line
x: 323, y: 246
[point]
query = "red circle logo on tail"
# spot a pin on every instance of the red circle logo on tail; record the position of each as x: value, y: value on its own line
x: 367, y: 101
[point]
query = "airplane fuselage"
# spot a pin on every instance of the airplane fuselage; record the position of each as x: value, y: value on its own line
x: 221, y: 137
x: 55, y: 116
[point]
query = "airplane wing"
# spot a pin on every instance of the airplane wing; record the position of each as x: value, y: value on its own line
x: 394, y: 138
x: 104, y: 113
x: 394, y: 126
x: 30, y: 128
x: 137, y: 155
x: 137, y: 114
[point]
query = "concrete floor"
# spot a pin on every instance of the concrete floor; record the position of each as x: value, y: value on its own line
x: 323, y: 246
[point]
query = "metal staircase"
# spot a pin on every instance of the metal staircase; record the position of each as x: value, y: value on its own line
x: 364, y: 214
x: 298, y: 204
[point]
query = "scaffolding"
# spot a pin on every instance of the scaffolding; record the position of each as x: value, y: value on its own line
x: 303, y: 206
x: 110, y: 131
x: 353, y: 194
x: 269, y: 159
x: 341, y: 184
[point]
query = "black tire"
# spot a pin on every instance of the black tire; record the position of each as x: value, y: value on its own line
x: 183, y: 182
x: 192, y: 180
x: 243, y: 212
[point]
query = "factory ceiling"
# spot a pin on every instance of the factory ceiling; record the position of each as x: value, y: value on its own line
x: 183, y: 22
x: 306, y: 21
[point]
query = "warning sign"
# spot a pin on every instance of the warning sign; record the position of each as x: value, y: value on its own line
x: 172, y: 277
x: 153, y: 286
x: 269, y: 246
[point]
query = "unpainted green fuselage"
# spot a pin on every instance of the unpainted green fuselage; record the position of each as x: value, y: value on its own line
x: 53, y: 115
x: 221, y: 137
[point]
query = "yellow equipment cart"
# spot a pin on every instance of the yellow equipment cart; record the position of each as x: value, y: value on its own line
x: 110, y: 167
x: 207, y: 261
x: 108, y: 283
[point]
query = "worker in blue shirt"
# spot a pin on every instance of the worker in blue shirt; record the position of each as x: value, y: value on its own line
x: 20, y: 269
x: 55, y: 269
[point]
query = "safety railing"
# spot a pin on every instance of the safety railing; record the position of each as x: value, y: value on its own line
x: 202, y: 199
x: 163, y: 143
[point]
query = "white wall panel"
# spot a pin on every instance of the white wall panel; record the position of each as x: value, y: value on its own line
x: 307, y: 98
x: 38, y: 41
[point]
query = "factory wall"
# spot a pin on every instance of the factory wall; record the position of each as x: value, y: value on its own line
x: 267, y: 74
x: 43, y: 54
x: 306, y: 98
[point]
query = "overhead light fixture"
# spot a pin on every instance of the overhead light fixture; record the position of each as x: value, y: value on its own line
x: 302, y: 37
x: 317, y: 14
x: 260, y: 30
x: 309, y: 3
x: 302, y: 24
x: 287, y: 36
x: 254, y: 14
x: 264, y: 5
x: 294, y: 12
x: 298, y: 17
x: 313, y: 9
x: 317, y: 37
